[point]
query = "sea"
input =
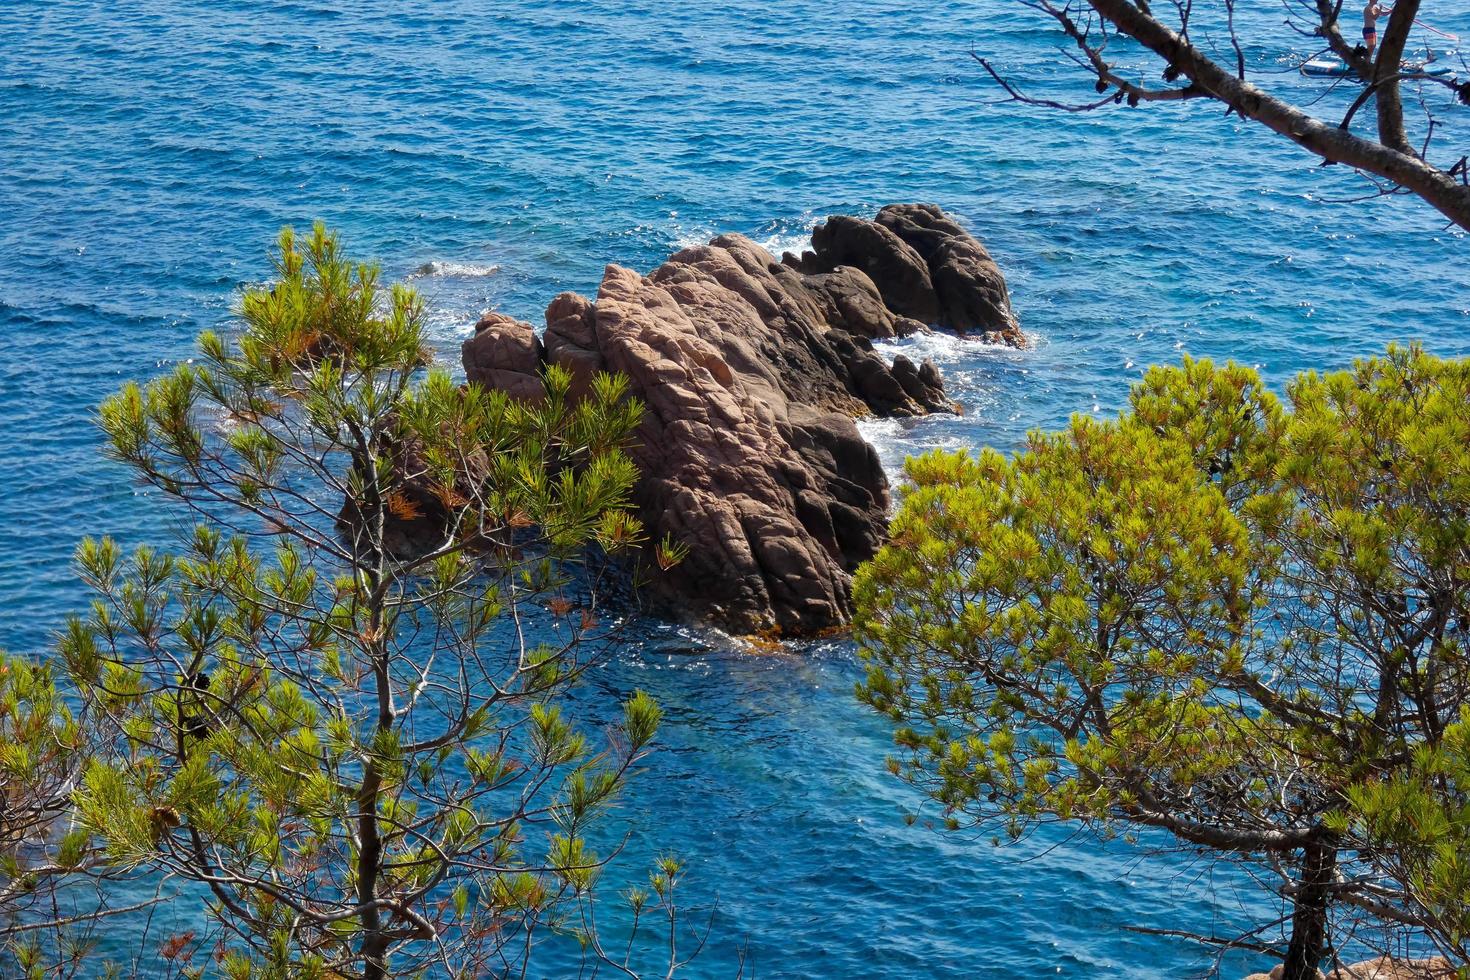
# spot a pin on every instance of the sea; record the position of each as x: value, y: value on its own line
x: 496, y: 153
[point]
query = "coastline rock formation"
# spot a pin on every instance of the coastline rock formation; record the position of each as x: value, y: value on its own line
x: 752, y: 372
x: 925, y: 266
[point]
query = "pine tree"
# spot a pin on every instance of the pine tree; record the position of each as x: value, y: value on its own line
x: 326, y: 707
x: 1238, y: 623
x: 48, y: 908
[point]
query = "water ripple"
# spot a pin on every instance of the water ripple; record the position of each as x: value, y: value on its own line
x: 500, y: 153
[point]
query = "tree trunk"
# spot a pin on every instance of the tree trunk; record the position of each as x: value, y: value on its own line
x: 370, y: 858
x: 374, y: 946
x: 1309, y: 913
x: 1390, y: 103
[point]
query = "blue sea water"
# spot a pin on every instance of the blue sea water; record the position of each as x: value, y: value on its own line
x: 497, y: 153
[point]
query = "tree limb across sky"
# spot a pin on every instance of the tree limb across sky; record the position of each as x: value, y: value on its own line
x: 1381, y: 149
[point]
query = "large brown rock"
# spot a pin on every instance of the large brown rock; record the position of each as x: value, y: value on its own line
x: 571, y: 340
x: 847, y: 299
x: 924, y: 265
x: 753, y: 372
x: 900, y: 273
x: 504, y: 353
x: 770, y: 544
x: 969, y: 288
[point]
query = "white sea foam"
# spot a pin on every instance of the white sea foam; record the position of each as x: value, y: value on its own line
x: 787, y: 239
x: 946, y: 348
x: 454, y: 270
x: 690, y: 237
x: 448, y: 322
x: 972, y: 371
x: 897, y: 439
x: 447, y: 328
x: 795, y: 242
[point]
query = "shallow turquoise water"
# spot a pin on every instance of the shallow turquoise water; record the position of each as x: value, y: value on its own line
x: 500, y: 153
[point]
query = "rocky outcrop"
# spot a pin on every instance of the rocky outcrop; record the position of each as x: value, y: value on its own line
x: 924, y: 265
x: 504, y: 353
x: 752, y: 372
x: 748, y: 450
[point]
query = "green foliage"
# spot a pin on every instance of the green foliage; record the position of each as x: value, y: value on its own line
x: 1240, y: 622
x: 46, y: 861
x: 323, y: 707
x: 41, y: 750
x: 658, y: 901
x: 1416, y: 824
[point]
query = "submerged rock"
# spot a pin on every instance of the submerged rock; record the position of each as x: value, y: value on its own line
x: 753, y: 371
